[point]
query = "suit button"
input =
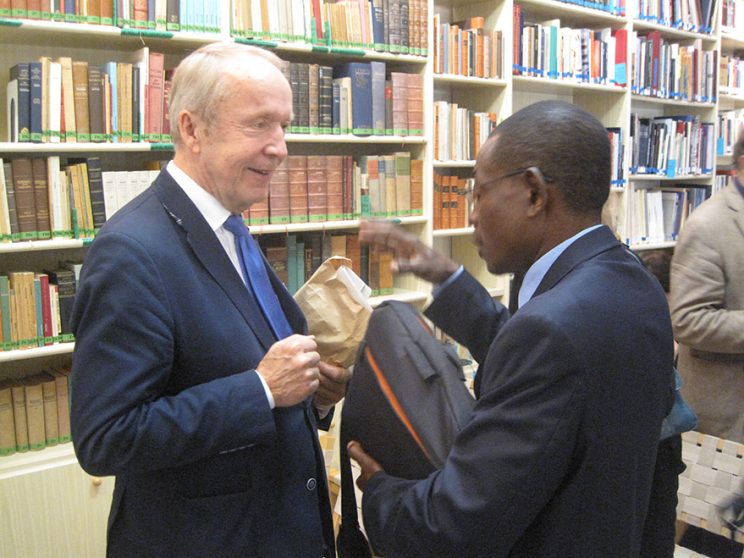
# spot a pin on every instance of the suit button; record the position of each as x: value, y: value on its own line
x: 311, y: 483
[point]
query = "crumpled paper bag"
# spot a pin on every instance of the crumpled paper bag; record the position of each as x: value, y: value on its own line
x: 335, y: 302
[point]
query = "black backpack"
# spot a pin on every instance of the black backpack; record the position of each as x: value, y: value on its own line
x: 405, y: 404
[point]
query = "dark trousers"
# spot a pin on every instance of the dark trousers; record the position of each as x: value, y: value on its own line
x: 658, y: 531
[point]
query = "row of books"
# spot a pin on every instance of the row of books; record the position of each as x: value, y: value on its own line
x: 732, y: 20
x: 724, y: 178
x: 315, y: 188
x: 385, y: 25
x: 672, y: 145
x: 730, y: 125
x: 34, y: 411
x: 674, y: 71
x: 688, y: 15
x: 43, y: 198
x: 732, y: 74
x: 451, y: 204
x: 613, y: 7
x: 161, y: 15
x: 35, y: 307
x: 65, y: 100
x: 617, y: 150
x: 295, y: 257
x: 467, y: 48
x: 357, y: 98
x: 547, y: 49
x: 658, y: 214
x: 459, y: 132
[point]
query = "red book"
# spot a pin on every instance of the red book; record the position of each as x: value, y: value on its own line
x: 155, y: 89
x: 621, y: 56
x: 335, y: 187
x: 298, y: 189
x: 317, y: 188
x: 46, y: 307
x: 279, y: 194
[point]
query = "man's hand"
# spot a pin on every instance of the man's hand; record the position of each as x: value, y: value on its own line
x: 333, y: 382
x: 290, y: 369
x: 369, y: 466
x: 410, y: 253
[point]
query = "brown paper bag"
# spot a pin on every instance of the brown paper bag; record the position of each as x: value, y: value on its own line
x: 335, y: 303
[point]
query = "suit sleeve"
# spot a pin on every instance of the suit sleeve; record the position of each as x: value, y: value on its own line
x: 467, y: 312
x: 505, y: 464
x: 122, y: 418
x: 698, y: 280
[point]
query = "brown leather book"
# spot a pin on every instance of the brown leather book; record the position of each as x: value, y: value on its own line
x: 279, y: 195
x: 25, y: 201
x: 298, y: 188
x: 334, y: 187
x: 80, y: 92
x: 317, y: 188
x: 41, y: 197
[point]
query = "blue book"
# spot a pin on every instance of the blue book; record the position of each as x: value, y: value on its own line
x: 361, y: 95
x: 378, y: 25
x: 378, y: 97
x: 292, y: 284
x: 110, y: 69
x: 36, y: 85
x: 19, y: 103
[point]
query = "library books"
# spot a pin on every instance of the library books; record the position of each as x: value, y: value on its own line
x: 319, y: 188
x: 467, y: 48
x: 65, y: 100
x: 671, y: 145
x: 34, y: 411
x: 672, y: 70
x: 657, y: 214
x: 398, y: 26
x: 295, y: 257
x: 32, y: 310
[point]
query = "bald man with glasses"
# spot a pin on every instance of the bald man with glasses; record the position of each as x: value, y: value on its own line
x: 558, y: 456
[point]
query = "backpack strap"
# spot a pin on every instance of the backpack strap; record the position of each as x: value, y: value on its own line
x: 351, y: 541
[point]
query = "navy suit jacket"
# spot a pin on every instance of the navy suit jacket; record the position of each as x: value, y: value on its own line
x: 558, y: 456
x: 165, y: 396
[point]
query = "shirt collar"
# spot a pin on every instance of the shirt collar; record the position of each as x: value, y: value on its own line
x: 210, y: 208
x: 537, y: 270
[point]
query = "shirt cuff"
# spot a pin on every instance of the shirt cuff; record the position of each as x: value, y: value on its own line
x: 447, y: 282
x: 269, y: 396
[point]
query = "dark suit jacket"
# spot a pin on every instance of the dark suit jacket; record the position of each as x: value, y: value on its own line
x: 558, y: 456
x: 165, y: 396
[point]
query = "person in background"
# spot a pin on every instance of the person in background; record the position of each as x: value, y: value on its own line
x: 193, y: 380
x: 558, y: 456
x: 708, y: 319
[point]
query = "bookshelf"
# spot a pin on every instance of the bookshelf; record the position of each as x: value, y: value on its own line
x: 499, y: 92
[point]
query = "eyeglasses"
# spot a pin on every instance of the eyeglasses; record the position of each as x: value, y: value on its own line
x: 474, y: 192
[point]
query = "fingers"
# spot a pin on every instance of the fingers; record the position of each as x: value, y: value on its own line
x: 368, y: 465
x: 332, y: 387
x: 291, y: 369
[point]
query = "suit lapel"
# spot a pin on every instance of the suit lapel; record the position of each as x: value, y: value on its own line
x: 584, y: 248
x: 210, y: 253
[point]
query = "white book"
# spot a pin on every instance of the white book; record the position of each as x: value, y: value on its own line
x: 57, y: 204
x: 109, y: 193
x: 55, y: 101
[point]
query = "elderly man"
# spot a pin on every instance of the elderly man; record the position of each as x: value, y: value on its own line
x: 192, y: 380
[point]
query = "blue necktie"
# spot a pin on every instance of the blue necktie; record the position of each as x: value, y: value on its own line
x: 256, y: 278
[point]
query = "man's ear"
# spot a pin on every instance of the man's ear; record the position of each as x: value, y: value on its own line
x: 538, y: 191
x: 190, y: 127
